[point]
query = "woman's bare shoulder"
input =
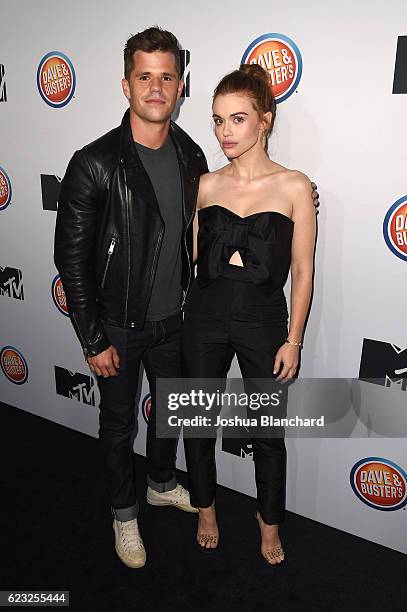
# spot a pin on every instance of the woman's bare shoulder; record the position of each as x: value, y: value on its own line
x: 296, y: 179
x: 210, y: 177
x: 208, y: 182
x: 299, y: 189
x: 290, y: 177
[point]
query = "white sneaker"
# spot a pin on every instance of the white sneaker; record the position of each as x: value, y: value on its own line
x: 178, y: 497
x: 128, y: 543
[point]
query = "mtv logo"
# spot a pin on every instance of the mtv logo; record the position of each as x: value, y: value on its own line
x: 3, y: 92
x: 185, y: 57
x: 11, y: 283
x: 238, y: 446
x: 75, y: 386
x: 400, y: 69
x: 383, y: 364
x: 50, y: 188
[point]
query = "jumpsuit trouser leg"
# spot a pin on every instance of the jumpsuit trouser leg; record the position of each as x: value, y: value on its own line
x: 232, y: 317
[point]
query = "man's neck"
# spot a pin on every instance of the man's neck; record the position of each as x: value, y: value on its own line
x: 151, y: 135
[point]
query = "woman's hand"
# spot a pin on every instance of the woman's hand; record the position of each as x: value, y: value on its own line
x: 287, y: 355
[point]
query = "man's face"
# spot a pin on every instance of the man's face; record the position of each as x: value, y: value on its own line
x: 153, y: 86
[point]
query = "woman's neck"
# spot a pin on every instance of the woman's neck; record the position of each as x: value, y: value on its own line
x: 251, y: 165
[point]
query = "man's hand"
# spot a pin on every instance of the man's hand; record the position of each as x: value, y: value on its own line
x: 315, y: 197
x: 105, y: 364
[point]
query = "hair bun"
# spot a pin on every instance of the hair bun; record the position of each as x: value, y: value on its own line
x: 255, y: 71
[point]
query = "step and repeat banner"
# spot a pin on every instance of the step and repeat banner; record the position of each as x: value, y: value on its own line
x: 339, y: 75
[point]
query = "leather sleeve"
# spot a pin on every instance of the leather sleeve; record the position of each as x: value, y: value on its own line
x: 74, y: 247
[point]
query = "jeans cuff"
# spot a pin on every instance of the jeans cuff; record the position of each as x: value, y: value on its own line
x: 126, y: 514
x: 162, y: 487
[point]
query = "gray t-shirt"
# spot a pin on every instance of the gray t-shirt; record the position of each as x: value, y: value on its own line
x: 162, y: 167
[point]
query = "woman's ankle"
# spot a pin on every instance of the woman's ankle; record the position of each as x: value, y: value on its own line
x: 207, y: 509
x: 262, y: 523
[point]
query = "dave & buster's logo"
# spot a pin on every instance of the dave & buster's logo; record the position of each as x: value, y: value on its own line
x: 58, y: 295
x: 56, y: 79
x: 146, y: 407
x: 395, y: 228
x: 379, y: 483
x: 383, y: 364
x: 5, y: 189
x: 14, y: 365
x: 281, y: 58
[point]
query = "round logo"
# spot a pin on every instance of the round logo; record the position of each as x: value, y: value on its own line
x: 280, y: 56
x: 56, y: 79
x: 395, y: 228
x: 13, y: 365
x: 379, y: 483
x: 58, y: 295
x: 5, y: 189
x: 146, y: 407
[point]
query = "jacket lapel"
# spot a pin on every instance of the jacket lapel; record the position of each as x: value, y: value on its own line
x: 189, y: 177
x: 137, y: 178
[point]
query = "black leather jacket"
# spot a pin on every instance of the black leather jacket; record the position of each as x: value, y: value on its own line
x: 109, y: 232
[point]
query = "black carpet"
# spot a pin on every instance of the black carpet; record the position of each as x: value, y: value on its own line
x: 57, y: 535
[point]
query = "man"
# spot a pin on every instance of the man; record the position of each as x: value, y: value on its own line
x: 123, y: 247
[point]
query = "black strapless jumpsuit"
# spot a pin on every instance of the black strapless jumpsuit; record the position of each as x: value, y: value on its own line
x: 238, y: 310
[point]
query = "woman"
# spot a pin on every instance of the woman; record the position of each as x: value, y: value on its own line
x: 256, y: 219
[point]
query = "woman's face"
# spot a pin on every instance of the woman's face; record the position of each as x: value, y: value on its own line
x: 238, y: 127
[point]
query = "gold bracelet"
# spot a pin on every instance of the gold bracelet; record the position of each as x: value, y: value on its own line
x: 294, y: 343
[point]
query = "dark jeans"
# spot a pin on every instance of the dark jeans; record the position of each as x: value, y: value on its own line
x: 231, y: 317
x: 157, y: 347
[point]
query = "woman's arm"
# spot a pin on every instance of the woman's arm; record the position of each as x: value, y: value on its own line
x: 302, y: 255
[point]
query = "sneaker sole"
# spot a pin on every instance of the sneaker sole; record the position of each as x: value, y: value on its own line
x: 129, y: 564
x: 160, y: 503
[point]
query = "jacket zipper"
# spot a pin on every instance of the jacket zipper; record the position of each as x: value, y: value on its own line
x: 126, y: 304
x: 186, y: 248
x: 112, y: 246
x: 78, y: 330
